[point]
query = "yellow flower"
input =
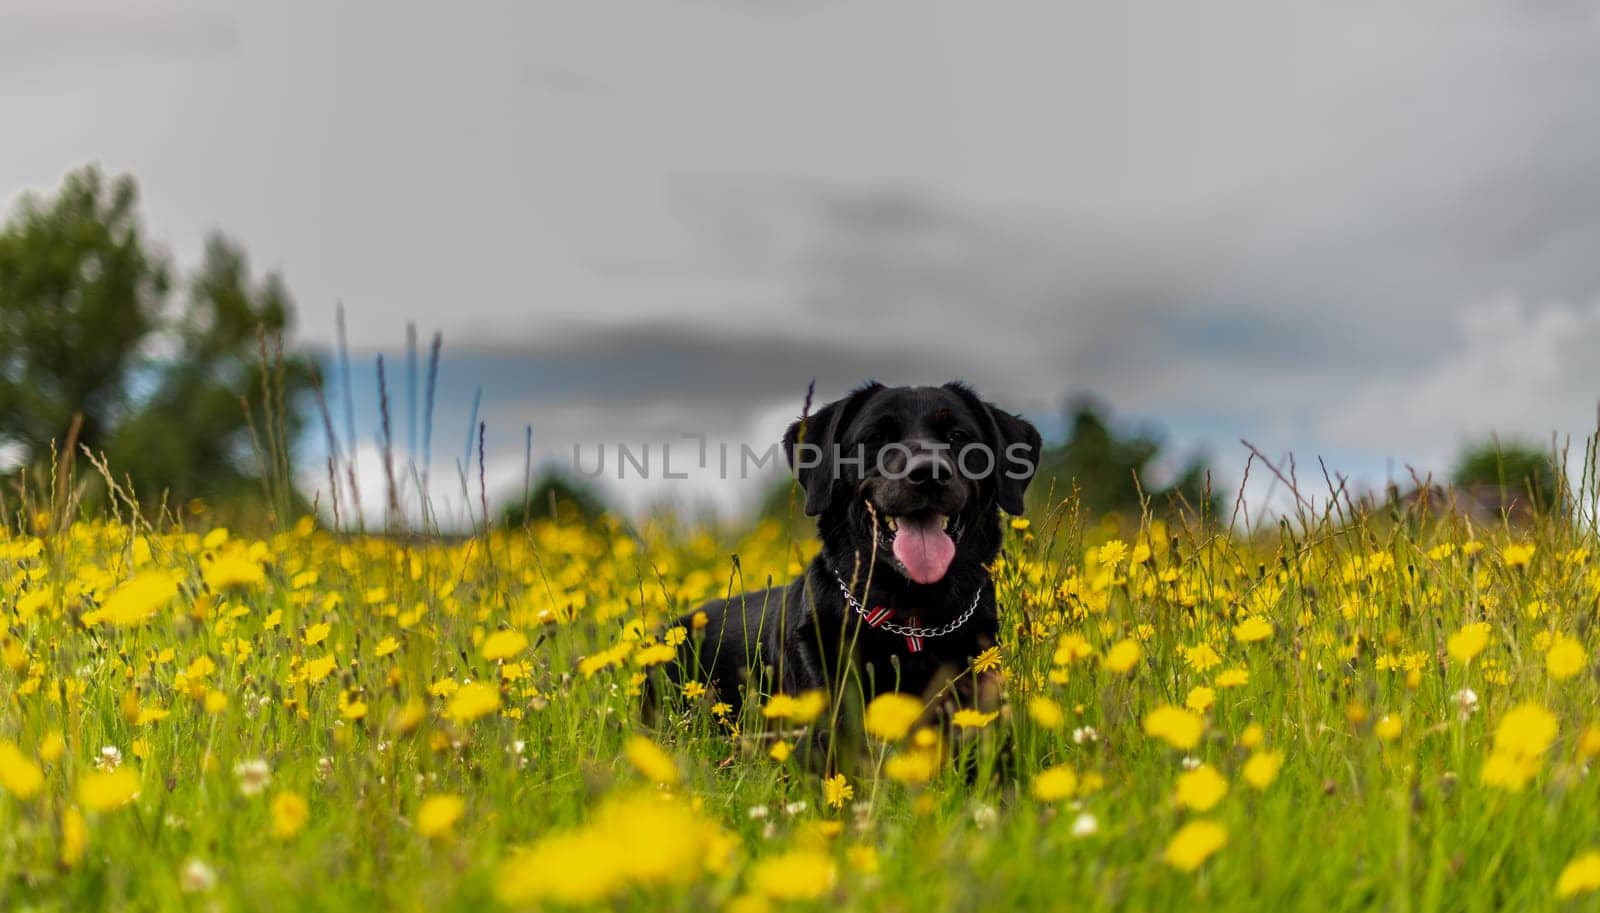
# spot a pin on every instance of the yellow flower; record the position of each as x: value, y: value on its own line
x: 912, y: 768
x: 1202, y: 788
x: 1123, y: 655
x: 654, y: 655
x: 320, y: 668
x: 233, y: 569
x: 803, y: 874
x: 837, y: 791
x: 1233, y: 678
x: 800, y: 710
x: 437, y: 815
x: 651, y: 761
x: 137, y: 600
x: 1200, y: 699
x: 1112, y: 552
x: 74, y: 836
x: 972, y: 719
x: 19, y: 775
x: 863, y: 859
x: 1581, y: 875
x: 1201, y: 657
x: 1518, y: 554
x: 1566, y: 658
x: 1262, y: 768
x: 503, y: 645
x: 317, y: 633
x: 1046, y: 712
x: 472, y: 701
x: 1508, y: 770
x: 1071, y: 648
x: 780, y: 751
x: 1388, y: 727
x: 52, y: 746
x: 1527, y: 729
x: 988, y: 659
x: 891, y: 715
x: 289, y: 815
x: 1252, y: 629
x: 103, y: 791
x: 1253, y: 737
x: 1054, y: 784
x: 1194, y: 843
x: 385, y: 647
x: 1177, y: 727
x: 1468, y: 642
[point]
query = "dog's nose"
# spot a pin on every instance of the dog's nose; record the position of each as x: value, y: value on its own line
x: 926, y: 471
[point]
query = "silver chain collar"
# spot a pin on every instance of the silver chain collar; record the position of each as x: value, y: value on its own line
x: 910, y: 630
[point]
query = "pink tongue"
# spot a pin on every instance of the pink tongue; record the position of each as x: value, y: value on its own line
x: 924, y: 549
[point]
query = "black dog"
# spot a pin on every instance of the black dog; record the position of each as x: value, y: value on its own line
x: 907, y: 484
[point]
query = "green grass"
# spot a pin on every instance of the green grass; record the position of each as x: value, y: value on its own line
x: 1351, y: 822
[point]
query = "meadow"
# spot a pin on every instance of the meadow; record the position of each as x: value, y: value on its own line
x: 1340, y: 712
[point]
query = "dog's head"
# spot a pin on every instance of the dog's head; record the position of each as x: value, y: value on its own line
x: 918, y: 471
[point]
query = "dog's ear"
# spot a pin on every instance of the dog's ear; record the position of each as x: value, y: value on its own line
x: 809, y: 446
x: 1014, y: 442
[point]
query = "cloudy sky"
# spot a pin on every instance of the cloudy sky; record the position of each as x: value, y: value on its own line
x: 1364, y: 231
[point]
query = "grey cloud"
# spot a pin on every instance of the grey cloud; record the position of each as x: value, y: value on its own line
x: 45, y: 40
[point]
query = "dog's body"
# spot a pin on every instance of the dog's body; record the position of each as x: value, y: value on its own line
x: 900, y: 593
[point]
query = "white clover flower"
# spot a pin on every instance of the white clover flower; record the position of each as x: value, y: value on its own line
x: 110, y: 758
x: 1085, y: 825
x: 253, y: 776
x: 196, y: 877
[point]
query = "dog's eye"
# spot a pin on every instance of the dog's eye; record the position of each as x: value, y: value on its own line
x: 957, y: 436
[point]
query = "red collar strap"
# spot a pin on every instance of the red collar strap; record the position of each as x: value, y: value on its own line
x: 878, y: 617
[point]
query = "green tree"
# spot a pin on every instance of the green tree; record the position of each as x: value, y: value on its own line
x: 1516, y: 470
x: 187, y: 394
x: 1110, y: 469
x: 556, y: 496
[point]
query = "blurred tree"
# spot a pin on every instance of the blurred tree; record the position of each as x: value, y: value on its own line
x: 88, y: 327
x: 1514, y: 470
x: 555, y: 495
x: 1104, y: 465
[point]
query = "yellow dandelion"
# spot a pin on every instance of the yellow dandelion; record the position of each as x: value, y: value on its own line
x: 103, y: 791
x: 836, y: 790
x: 19, y: 775
x: 799, y: 710
x: 1252, y: 629
x: 289, y: 815
x: 986, y: 660
x: 503, y: 645
x: 1194, y: 843
x: 1054, y: 784
x: 1177, y: 727
x: 1123, y: 655
x: 137, y: 600
x: 1202, y: 788
x: 1580, y: 876
x: 1468, y: 642
x: 972, y: 719
x: 1565, y: 658
x: 891, y: 715
x: 802, y: 874
x: 473, y: 701
x: 1046, y: 712
x: 653, y: 763
x: 437, y: 815
x: 1262, y: 768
